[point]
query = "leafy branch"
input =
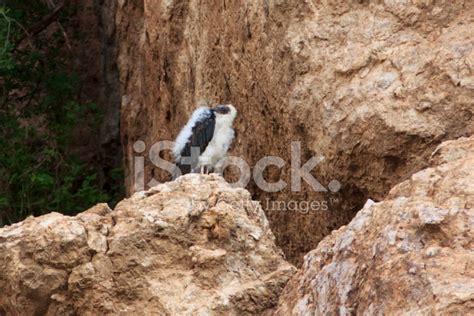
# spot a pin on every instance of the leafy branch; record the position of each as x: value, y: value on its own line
x: 39, y: 115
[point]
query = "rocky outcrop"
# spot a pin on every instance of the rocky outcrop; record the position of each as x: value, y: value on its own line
x: 373, y: 87
x: 410, y: 254
x: 193, y: 246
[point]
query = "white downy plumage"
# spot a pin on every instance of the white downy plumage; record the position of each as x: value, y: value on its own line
x: 222, y: 138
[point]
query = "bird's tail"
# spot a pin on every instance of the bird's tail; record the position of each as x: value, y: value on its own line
x: 181, y: 170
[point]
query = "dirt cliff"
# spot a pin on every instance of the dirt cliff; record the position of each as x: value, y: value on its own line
x: 410, y: 254
x: 193, y: 246
x: 373, y: 87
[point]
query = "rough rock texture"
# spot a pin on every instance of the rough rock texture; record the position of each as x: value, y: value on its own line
x: 410, y: 254
x: 373, y: 86
x: 194, y: 246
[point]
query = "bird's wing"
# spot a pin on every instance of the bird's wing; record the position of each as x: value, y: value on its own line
x: 201, y: 136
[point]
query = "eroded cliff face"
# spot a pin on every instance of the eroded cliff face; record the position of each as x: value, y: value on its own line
x: 193, y: 246
x: 372, y: 87
x: 410, y: 254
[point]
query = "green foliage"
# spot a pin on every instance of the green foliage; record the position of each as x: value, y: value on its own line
x: 39, y: 118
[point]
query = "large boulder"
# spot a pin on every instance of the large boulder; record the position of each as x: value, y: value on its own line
x: 193, y: 246
x: 410, y: 254
x: 373, y: 86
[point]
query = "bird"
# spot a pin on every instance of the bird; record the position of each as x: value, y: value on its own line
x: 204, y: 140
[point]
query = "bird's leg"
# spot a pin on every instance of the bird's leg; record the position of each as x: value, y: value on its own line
x: 205, y: 169
x: 201, y: 171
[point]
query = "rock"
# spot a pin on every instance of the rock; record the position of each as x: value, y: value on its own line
x: 373, y: 86
x: 410, y: 254
x: 186, y: 247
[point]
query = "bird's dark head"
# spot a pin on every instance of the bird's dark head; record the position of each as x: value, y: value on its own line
x: 226, y: 109
x: 222, y: 109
